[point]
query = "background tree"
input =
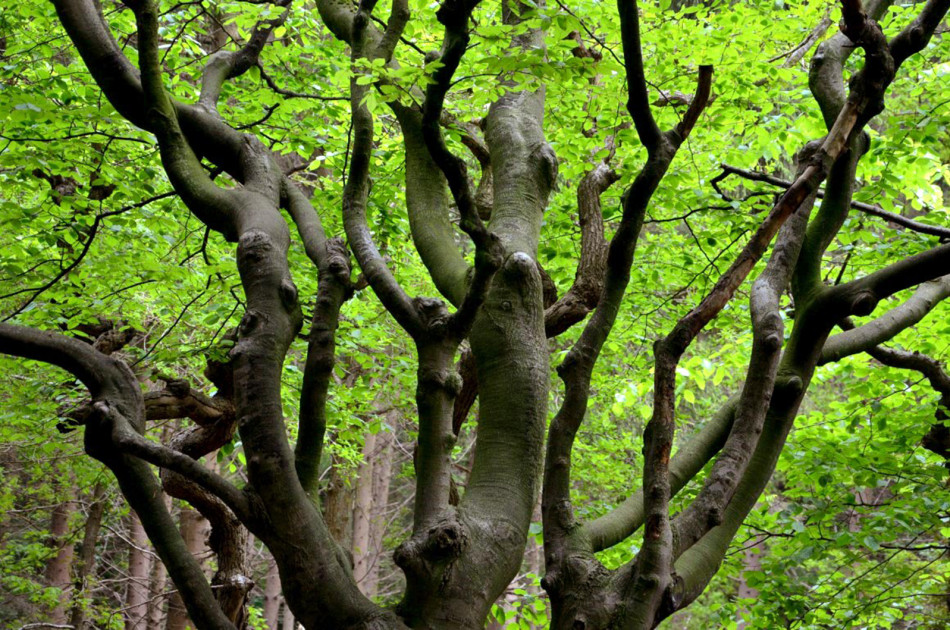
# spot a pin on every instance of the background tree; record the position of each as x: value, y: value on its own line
x: 515, y: 89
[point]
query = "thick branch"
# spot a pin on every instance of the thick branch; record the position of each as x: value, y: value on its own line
x: 887, y: 326
x: 225, y: 65
x: 208, y: 202
x: 333, y: 290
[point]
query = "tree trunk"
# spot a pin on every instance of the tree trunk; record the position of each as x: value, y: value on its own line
x: 338, y: 507
x: 194, y: 530
x: 157, y: 581
x: 87, y: 556
x: 59, y: 567
x: 272, y: 597
x: 289, y: 621
x: 382, y: 475
x: 363, y: 512
x: 136, y: 598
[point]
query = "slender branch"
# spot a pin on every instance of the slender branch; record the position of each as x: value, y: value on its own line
x: 876, y: 211
x: 577, y: 368
x: 355, y: 193
x: 638, y: 100
x: 130, y: 442
x: 269, y: 81
x: 707, y: 509
x: 307, y: 220
x: 691, y: 457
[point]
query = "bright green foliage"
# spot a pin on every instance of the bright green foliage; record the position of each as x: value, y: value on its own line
x: 854, y: 530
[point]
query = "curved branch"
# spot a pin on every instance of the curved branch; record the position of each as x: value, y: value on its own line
x: 119, y: 81
x: 620, y: 523
x: 207, y: 201
x: 887, y: 326
x: 307, y: 220
x: 132, y: 443
x: 578, y: 301
x: 489, y: 252
x: 225, y: 65
x: 355, y: 193
x: 428, y: 207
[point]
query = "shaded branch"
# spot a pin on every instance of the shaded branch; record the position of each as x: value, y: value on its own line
x: 638, y: 100
x: 133, y: 443
x: 333, y: 290
x: 489, y: 253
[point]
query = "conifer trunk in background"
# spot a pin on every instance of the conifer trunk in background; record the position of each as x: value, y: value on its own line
x: 363, y: 512
x: 157, y: 582
x: 136, y: 594
x: 382, y: 476
x: 272, y: 597
x: 87, y: 556
x: 194, y: 531
x: 59, y: 567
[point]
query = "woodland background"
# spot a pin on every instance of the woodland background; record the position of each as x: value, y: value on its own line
x: 854, y: 529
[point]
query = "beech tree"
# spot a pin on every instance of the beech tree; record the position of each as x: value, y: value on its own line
x: 500, y: 322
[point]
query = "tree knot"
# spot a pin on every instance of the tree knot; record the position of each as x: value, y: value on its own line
x: 864, y: 303
x: 253, y: 246
x: 434, y: 315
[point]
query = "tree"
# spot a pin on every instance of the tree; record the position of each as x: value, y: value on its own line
x: 465, y: 547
